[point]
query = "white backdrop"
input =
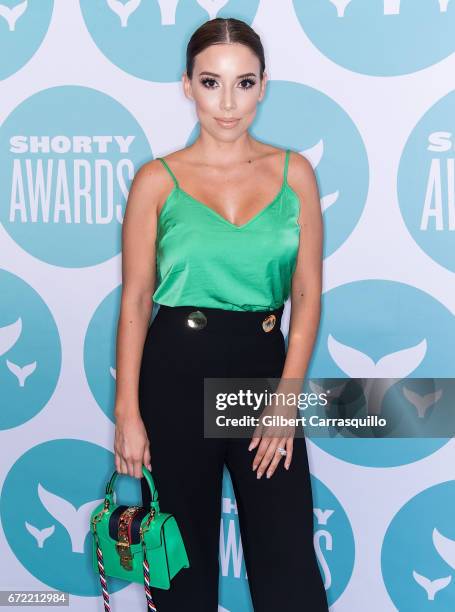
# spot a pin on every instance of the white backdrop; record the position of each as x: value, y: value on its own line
x: 88, y: 92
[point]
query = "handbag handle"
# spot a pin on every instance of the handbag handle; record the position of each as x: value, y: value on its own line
x: 154, y: 503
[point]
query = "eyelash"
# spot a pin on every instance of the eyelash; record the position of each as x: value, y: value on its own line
x: 251, y: 82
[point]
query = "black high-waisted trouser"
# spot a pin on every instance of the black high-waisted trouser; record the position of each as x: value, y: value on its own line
x: 275, y: 515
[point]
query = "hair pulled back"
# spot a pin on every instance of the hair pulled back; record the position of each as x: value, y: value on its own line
x: 223, y: 30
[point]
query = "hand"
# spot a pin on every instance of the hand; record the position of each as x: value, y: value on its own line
x: 131, y: 446
x: 273, y: 436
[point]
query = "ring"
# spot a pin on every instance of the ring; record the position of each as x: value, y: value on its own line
x: 282, y: 451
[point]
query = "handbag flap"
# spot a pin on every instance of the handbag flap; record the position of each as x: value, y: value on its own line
x: 153, y: 536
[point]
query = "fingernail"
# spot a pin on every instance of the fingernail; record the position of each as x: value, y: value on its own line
x: 286, y: 466
x: 268, y: 475
x: 254, y: 467
x: 259, y: 474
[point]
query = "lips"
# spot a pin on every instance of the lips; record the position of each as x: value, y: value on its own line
x: 227, y: 122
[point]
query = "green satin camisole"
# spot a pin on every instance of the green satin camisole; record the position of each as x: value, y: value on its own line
x: 202, y: 259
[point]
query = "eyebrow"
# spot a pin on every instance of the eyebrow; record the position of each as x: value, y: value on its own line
x: 240, y: 76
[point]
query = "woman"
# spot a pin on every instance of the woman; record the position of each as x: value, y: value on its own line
x: 221, y: 262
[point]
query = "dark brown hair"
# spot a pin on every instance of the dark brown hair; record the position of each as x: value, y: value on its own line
x: 220, y: 31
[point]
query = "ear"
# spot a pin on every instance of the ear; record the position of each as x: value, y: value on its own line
x: 265, y: 78
x: 187, y: 89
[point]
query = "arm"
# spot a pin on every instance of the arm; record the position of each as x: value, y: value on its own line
x: 305, y: 311
x: 307, y: 280
x: 138, y: 280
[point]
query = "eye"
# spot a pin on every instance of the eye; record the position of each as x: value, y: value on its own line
x: 205, y: 82
x: 250, y: 83
x: 210, y: 83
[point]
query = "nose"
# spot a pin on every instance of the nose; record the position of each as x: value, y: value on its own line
x: 227, y: 100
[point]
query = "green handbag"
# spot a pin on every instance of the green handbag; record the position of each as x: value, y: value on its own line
x: 136, y: 544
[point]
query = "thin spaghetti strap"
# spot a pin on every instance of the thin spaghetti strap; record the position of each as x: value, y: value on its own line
x: 163, y: 161
x: 286, y: 164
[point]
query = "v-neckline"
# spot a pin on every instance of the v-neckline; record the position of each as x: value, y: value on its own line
x: 226, y: 221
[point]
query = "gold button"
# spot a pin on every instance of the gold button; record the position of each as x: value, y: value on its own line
x: 269, y: 323
x: 196, y: 320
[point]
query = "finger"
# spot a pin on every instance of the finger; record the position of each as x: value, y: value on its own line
x: 117, y: 462
x: 289, y: 450
x: 268, y: 456
x: 130, y: 467
x: 147, y: 460
x: 254, y: 442
x: 260, y: 452
x: 276, y: 458
x: 257, y: 434
x: 123, y: 467
x: 137, y: 468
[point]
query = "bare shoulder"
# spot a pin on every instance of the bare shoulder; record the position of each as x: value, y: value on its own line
x: 150, y: 175
x: 300, y: 169
x: 150, y: 185
x: 302, y: 178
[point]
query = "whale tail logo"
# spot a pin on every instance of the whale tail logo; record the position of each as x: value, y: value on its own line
x: 341, y: 6
x: 355, y: 364
x: 75, y: 521
x: 40, y: 535
x: 21, y: 373
x: 212, y: 6
x: 422, y: 402
x: 431, y: 586
x: 168, y: 9
x: 123, y: 11
x: 11, y: 15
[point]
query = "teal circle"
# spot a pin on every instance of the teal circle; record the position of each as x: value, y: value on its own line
x: 364, y: 322
x: 419, y: 548
x: 68, y: 155
x: 23, y: 28
x: 45, y: 505
x: 30, y: 352
x: 426, y: 182
x: 370, y: 38
x: 148, y: 39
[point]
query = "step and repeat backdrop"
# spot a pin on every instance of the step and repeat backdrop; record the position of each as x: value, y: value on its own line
x: 89, y: 91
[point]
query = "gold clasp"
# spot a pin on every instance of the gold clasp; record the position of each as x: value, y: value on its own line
x: 124, y: 551
x: 98, y: 516
x: 142, y: 530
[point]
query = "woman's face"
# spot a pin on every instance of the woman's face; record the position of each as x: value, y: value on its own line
x: 225, y: 85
